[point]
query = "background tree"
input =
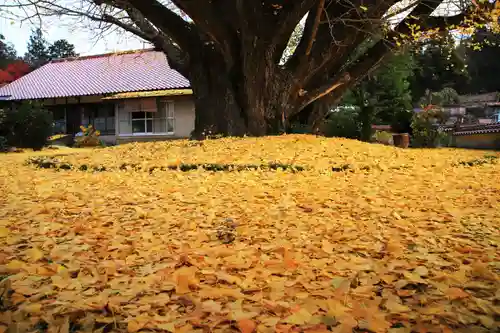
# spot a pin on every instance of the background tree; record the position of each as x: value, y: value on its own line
x: 7, y: 52
x: 384, y: 97
x: 13, y: 71
x: 231, y: 50
x: 483, y: 60
x: 439, y: 64
x: 61, y: 49
x: 38, y: 53
x: 11, y: 67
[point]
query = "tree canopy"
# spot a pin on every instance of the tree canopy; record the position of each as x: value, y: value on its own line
x: 37, y: 54
x: 483, y: 60
x: 7, y: 52
x: 439, y: 65
x: 232, y: 50
x: 40, y: 51
x: 61, y: 49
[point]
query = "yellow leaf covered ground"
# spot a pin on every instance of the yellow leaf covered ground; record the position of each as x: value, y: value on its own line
x: 397, y: 241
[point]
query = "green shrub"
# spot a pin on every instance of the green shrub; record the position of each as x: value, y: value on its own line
x: 342, y: 123
x: 297, y: 128
x: 383, y: 137
x: 26, y: 126
x: 425, y: 129
x: 3, y: 144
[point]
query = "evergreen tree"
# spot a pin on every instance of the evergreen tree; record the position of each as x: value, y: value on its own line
x: 483, y: 59
x: 38, y: 54
x: 7, y: 53
x: 385, y: 97
x: 439, y: 64
x: 61, y: 49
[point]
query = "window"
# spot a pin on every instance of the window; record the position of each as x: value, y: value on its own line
x: 102, y: 117
x: 146, y: 117
x: 142, y: 122
x: 59, y: 117
x: 166, y: 109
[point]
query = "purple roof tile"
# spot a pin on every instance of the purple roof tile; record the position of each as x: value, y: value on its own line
x: 96, y: 75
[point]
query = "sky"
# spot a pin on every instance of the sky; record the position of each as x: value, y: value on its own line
x: 17, y: 32
x: 85, y: 41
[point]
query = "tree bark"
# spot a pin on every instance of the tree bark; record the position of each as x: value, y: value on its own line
x: 251, y: 97
x: 217, y: 110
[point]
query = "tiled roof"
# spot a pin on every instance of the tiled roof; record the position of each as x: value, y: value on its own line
x: 96, y: 75
x: 478, y: 129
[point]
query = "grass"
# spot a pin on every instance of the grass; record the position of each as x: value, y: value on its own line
x: 364, y: 237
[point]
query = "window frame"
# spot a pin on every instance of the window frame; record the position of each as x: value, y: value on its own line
x: 145, y: 119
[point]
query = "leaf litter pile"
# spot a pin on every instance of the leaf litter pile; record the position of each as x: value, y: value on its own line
x: 401, y: 241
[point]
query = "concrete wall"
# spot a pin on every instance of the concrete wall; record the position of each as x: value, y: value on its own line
x: 184, y: 117
x: 478, y: 141
x: 108, y: 139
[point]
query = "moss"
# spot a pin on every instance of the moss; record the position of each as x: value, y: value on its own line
x: 44, y: 162
x: 488, y: 159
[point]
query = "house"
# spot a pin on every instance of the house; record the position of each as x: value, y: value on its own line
x: 482, y: 108
x: 480, y: 126
x: 129, y: 96
x: 480, y: 136
x: 474, y: 122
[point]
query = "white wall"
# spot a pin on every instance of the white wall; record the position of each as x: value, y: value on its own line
x: 184, y: 117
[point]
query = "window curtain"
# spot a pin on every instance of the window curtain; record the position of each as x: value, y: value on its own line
x: 140, y: 105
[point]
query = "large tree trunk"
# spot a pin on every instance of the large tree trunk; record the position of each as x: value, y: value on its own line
x: 233, y: 66
x: 216, y: 108
x: 251, y: 97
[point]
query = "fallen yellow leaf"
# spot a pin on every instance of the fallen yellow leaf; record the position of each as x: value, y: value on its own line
x: 394, y: 307
x: 33, y: 308
x: 182, y: 284
x: 220, y: 292
x: 169, y: 327
x: 300, y: 317
x: 135, y: 325
x: 15, y: 265
x: 4, y: 232
x: 34, y: 254
x: 327, y: 246
x: 246, y: 325
x: 456, y: 293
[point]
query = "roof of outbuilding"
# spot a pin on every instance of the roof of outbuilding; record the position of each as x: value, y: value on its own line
x: 478, y: 129
x: 142, y: 70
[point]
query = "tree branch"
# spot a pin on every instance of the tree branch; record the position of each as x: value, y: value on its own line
x: 205, y: 16
x: 176, y: 56
x: 290, y: 16
x: 317, y: 19
x: 323, y: 90
x: 375, y: 55
x: 182, y: 33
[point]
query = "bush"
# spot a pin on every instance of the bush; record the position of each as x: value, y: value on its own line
x: 26, y: 126
x: 343, y: 123
x: 383, y: 137
x: 3, y: 144
x: 425, y: 129
x: 401, y: 123
x: 297, y: 128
